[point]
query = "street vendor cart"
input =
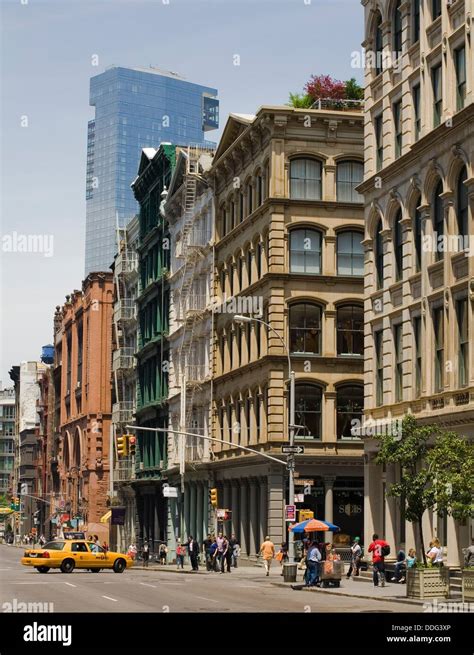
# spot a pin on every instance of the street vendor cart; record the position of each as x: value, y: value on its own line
x: 331, y: 573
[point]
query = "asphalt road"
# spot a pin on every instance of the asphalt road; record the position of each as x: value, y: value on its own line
x: 135, y: 590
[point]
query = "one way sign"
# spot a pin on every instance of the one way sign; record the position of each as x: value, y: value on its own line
x: 292, y: 450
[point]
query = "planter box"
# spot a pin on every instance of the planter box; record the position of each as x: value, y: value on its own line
x: 468, y: 586
x: 428, y: 583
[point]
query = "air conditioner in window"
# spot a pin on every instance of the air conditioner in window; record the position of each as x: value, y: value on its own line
x: 78, y: 385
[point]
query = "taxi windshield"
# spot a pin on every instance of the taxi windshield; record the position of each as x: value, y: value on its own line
x: 54, y: 545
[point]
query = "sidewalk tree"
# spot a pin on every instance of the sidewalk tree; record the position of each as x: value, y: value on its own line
x: 436, y: 472
x: 409, y: 449
x: 451, y: 462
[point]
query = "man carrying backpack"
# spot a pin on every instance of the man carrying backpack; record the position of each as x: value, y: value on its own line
x: 379, y: 549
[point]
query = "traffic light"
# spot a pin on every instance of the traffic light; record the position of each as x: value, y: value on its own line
x: 122, y: 449
x: 132, y: 444
x: 213, y: 496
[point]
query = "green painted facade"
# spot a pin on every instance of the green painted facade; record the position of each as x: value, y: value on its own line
x: 153, y: 312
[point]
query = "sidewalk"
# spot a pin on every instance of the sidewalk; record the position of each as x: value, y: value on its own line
x: 392, y: 592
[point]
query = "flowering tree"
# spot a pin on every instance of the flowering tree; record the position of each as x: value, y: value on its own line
x: 324, y: 86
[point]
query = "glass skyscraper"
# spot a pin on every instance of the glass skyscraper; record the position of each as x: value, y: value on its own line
x: 134, y: 108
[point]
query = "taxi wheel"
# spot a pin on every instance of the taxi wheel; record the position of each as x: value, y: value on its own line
x: 67, y: 566
x: 42, y: 569
x: 119, y: 565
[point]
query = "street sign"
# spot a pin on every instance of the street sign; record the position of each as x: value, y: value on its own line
x: 290, y: 513
x: 299, y: 498
x: 290, y: 465
x: 304, y: 483
x: 118, y: 516
x: 170, y: 492
x: 223, y: 514
x: 292, y: 450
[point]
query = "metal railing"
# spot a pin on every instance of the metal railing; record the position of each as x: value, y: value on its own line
x: 122, y: 412
x: 123, y: 359
x: 192, y: 303
x: 125, y: 310
x: 338, y: 105
x: 124, y: 470
x: 126, y: 262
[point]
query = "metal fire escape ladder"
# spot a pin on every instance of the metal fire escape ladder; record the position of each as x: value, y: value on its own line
x: 189, y: 304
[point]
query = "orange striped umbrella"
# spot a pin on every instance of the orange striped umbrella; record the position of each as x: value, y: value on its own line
x: 313, y: 525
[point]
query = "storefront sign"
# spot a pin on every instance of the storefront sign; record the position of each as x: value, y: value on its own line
x: 304, y: 483
x: 118, y: 516
x: 299, y: 498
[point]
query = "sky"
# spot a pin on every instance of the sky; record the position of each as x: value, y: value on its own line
x: 48, y: 49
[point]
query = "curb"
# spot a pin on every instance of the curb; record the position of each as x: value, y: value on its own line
x: 396, y: 599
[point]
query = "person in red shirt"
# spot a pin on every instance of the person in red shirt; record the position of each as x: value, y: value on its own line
x: 378, y: 559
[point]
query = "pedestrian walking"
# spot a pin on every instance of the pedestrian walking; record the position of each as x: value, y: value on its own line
x: 162, y: 553
x: 469, y: 555
x: 193, y: 552
x: 206, y: 546
x: 356, y: 557
x: 105, y: 546
x: 313, y: 560
x: 228, y: 555
x: 42, y: 540
x: 132, y: 551
x: 220, y: 550
x: 282, y: 555
x: 379, y: 549
x: 179, y: 555
x: 435, y: 554
x: 146, y: 553
x: 235, y: 549
x: 267, y: 550
x: 213, y: 555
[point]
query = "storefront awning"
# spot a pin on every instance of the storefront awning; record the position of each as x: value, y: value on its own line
x: 106, y: 517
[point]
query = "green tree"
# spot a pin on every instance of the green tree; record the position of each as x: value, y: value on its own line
x: 300, y: 100
x: 409, y: 449
x: 436, y: 472
x: 353, y: 90
x: 451, y: 462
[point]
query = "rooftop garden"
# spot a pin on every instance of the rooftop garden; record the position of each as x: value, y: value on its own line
x: 324, y: 92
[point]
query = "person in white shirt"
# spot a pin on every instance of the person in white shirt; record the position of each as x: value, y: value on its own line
x: 435, y: 554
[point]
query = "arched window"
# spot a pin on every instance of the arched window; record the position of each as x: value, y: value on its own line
x: 241, y: 206
x: 416, y: 20
x: 305, y: 251
x: 308, y: 401
x: 397, y: 28
x: 378, y: 43
x: 305, y: 328
x: 249, y: 199
x: 350, y: 405
x: 249, y: 266
x: 379, y: 255
x: 350, y: 253
x: 438, y: 219
x: 462, y: 205
x: 259, y: 188
x: 349, y: 175
x: 305, y: 179
x: 398, y: 245
x: 417, y: 234
x: 350, y: 330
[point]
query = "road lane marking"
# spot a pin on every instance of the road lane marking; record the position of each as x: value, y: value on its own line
x: 210, y: 600
x: 145, y: 584
x: 69, y: 584
x: 108, y: 598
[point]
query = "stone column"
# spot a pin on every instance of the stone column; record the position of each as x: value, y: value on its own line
x: 329, y: 255
x: 226, y: 496
x: 372, y: 498
x: 253, y: 517
x: 192, y: 509
x: 201, y: 529
x: 328, y: 420
x: 186, y: 514
x: 329, y: 503
x: 262, y: 510
x: 243, y: 517
x: 329, y: 333
x: 275, y: 504
x: 392, y: 532
x: 235, y: 508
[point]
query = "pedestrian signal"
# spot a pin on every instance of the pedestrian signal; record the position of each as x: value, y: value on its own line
x: 213, y: 496
x: 122, y: 445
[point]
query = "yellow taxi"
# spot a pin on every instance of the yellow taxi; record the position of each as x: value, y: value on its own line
x: 68, y: 554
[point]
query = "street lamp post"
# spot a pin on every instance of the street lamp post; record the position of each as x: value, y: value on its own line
x: 290, y: 462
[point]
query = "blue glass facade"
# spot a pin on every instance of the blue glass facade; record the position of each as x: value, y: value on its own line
x: 134, y: 108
